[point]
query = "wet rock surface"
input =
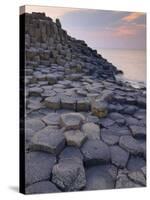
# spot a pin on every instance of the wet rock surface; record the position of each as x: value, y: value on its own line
x: 85, y: 130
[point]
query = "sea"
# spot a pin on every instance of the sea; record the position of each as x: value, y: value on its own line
x: 131, y: 61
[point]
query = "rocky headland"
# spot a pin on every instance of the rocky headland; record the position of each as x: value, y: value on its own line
x: 84, y: 129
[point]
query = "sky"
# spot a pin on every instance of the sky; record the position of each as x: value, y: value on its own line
x: 100, y: 28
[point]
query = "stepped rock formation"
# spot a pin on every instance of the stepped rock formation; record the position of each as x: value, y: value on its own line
x: 90, y: 125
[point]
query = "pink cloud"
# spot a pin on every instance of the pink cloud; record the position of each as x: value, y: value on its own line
x: 132, y: 16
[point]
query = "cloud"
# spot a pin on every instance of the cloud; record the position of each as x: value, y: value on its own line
x: 132, y: 16
x: 51, y: 11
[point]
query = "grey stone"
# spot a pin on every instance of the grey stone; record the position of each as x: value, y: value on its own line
x: 114, y: 116
x: 98, y: 178
x: 143, y: 169
x: 135, y: 163
x: 131, y: 145
x: 52, y: 119
x: 53, y: 102
x: 99, y: 109
x: 119, y: 157
x: 131, y: 120
x: 75, y: 137
x: 106, y: 122
x: 28, y: 134
x: 141, y: 102
x: 71, y: 120
x: 95, y: 152
x: 83, y: 104
x: 68, y: 103
x: 130, y: 110
x: 38, y: 166
x: 35, y: 91
x: 71, y: 152
x: 52, y: 79
x: 124, y: 182
x: 41, y: 187
x: 34, y: 124
x: 69, y: 175
x: 137, y: 177
x: 91, y: 130
x: 49, y: 140
x: 138, y: 131
x: 108, y: 137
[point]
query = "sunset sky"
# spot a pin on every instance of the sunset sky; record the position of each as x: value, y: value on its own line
x: 99, y: 28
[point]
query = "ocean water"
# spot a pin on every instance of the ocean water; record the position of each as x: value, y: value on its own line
x: 131, y: 62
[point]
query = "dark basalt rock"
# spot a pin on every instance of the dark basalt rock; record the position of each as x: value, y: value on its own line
x: 42, y: 187
x: 95, y: 152
x: 69, y: 175
x: 99, y: 177
x: 38, y: 167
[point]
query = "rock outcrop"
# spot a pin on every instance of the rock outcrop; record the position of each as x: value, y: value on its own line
x: 84, y: 129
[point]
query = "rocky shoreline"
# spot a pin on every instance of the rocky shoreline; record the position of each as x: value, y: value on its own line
x: 85, y: 130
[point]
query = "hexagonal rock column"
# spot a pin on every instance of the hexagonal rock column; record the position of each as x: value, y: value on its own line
x: 95, y: 152
x: 98, y: 177
x: 52, y: 119
x: 51, y: 79
x: 53, y: 102
x: 91, y: 130
x: 138, y: 131
x: 49, y: 140
x: 119, y: 156
x: 83, y: 104
x: 131, y: 145
x: 71, y: 120
x: 68, y: 103
x: 99, y: 108
x: 41, y: 187
x: 38, y: 166
x: 34, y: 124
x: 75, y: 137
x: 35, y: 91
x: 69, y: 175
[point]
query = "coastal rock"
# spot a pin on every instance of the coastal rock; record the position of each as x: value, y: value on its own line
x: 42, y: 187
x: 53, y: 102
x: 99, y: 108
x: 71, y: 120
x: 69, y: 175
x: 124, y: 182
x: 91, y: 130
x: 75, y: 137
x: 131, y: 145
x: 68, y: 103
x: 51, y: 119
x: 83, y: 105
x: 95, y: 152
x: 137, y: 177
x: 99, y: 178
x: 35, y: 91
x: 71, y: 152
x: 38, y: 166
x: 49, y: 140
x: 108, y: 137
x: 138, y: 131
x: 135, y: 163
x: 119, y: 157
x: 34, y: 124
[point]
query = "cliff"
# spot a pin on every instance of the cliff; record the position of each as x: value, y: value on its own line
x: 47, y: 43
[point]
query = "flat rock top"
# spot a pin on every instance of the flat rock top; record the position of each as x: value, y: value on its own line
x: 71, y: 120
x: 38, y: 166
x: 95, y: 151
